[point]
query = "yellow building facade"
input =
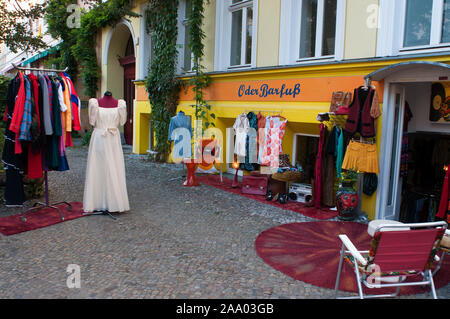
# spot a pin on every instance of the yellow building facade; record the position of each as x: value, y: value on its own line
x: 271, y: 45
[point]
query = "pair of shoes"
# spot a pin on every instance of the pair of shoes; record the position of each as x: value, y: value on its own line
x: 269, y: 196
x: 283, y: 198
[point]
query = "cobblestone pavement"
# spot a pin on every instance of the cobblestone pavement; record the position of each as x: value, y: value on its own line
x: 176, y: 242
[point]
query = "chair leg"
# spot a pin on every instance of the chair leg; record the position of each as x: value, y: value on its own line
x: 439, y: 264
x: 358, y: 280
x: 433, y: 289
x: 338, y: 278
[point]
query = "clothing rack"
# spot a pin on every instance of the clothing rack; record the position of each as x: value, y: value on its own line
x: 264, y: 112
x: 39, y: 205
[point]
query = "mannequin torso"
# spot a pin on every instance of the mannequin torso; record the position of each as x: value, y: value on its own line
x: 107, y: 101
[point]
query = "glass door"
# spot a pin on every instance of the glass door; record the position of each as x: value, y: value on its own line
x: 391, y: 166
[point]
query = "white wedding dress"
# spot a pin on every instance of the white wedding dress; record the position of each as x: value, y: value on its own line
x: 105, y: 185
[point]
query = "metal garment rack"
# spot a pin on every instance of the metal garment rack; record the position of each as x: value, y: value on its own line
x: 264, y: 112
x: 39, y: 205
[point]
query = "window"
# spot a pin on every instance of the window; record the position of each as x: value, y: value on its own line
x: 426, y: 23
x: 185, y: 62
x: 241, y: 32
x: 146, y: 47
x: 187, y: 54
x: 311, y: 29
x: 235, y: 45
x: 317, y: 28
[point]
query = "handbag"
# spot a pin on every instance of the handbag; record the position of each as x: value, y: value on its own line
x: 254, y: 185
x: 339, y: 99
x: 284, y: 160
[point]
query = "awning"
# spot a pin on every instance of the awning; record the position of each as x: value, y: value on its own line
x: 391, y: 69
x: 40, y: 55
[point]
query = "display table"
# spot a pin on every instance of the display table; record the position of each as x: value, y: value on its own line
x: 375, y: 223
x: 287, y: 177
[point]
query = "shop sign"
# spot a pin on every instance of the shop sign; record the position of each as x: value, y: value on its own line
x: 264, y: 90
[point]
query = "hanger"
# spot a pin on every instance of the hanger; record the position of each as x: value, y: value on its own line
x: 282, y: 117
x: 367, y: 83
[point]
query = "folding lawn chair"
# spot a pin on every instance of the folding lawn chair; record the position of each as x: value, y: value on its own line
x: 394, y: 256
x: 444, y: 248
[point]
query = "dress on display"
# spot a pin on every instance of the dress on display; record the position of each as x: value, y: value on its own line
x: 105, y: 185
x: 275, y: 129
x: 241, y: 126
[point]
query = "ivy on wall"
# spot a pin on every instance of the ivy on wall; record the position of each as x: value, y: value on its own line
x: 162, y: 84
x: 56, y: 16
x: 163, y: 87
x: 79, y: 43
x: 200, y: 80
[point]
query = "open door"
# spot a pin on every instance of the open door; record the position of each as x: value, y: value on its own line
x: 391, y: 186
x: 129, y: 71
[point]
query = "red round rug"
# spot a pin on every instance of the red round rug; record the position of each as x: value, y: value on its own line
x: 309, y: 252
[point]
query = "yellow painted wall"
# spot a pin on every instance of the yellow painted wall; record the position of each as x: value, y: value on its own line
x: 268, y: 33
x: 141, y: 127
x: 360, y: 32
x: 209, y: 27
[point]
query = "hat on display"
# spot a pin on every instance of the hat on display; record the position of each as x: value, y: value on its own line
x: 342, y: 110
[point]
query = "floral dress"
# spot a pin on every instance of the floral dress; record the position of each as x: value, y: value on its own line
x: 274, y: 131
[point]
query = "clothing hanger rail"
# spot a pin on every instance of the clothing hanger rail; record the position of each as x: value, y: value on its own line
x: 271, y: 112
x: 37, y: 69
x: 46, y: 204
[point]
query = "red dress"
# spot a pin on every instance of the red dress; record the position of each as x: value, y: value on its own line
x: 444, y: 204
x: 318, y: 173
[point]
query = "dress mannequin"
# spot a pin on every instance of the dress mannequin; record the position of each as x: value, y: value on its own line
x: 107, y: 100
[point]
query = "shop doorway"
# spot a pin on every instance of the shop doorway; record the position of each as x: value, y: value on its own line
x: 414, y: 151
x: 120, y: 70
x: 128, y: 62
x: 304, y: 154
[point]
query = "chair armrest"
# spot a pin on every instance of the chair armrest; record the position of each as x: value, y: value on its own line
x: 352, y: 249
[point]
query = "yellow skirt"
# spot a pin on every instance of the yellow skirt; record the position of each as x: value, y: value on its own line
x: 361, y: 157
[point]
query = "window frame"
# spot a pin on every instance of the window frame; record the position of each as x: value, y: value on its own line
x: 290, y: 33
x: 144, y: 42
x: 181, y: 45
x: 393, y: 17
x: 222, y: 54
x: 435, y: 32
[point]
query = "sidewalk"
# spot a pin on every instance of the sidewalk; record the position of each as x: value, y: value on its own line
x: 176, y: 242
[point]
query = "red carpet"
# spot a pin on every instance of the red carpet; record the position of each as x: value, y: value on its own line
x: 322, y: 214
x: 39, y: 218
x: 309, y: 252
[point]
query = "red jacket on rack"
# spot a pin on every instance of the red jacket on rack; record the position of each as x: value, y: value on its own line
x: 35, y: 158
x: 17, y: 116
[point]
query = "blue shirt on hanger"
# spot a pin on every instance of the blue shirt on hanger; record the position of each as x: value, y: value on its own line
x: 180, y: 129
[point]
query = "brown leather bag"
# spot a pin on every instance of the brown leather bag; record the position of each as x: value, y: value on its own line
x: 340, y: 98
x: 254, y: 185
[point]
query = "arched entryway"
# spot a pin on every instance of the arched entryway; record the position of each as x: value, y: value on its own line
x: 120, y: 64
